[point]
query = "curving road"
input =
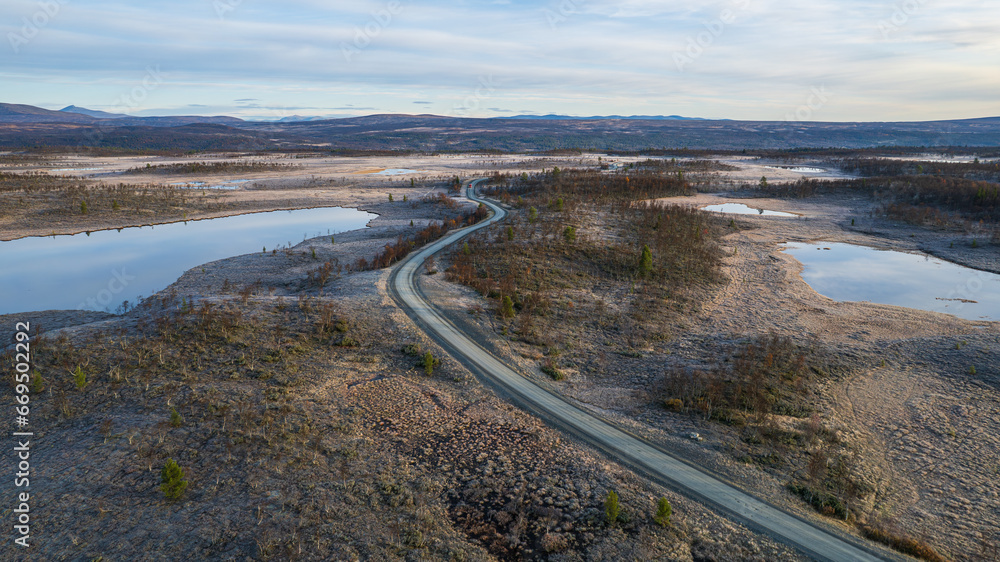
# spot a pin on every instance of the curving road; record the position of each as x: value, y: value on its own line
x: 821, y: 544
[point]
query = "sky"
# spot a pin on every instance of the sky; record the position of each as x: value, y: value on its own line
x: 825, y: 60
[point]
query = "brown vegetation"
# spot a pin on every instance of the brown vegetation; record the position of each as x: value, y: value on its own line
x: 203, y: 168
x: 533, y: 261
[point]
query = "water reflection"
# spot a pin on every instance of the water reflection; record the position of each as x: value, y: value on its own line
x: 846, y: 272
x: 741, y: 209
x: 100, y: 270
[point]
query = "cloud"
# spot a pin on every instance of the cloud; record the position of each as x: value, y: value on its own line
x: 751, y: 59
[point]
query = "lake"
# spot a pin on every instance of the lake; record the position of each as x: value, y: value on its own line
x: 847, y: 272
x: 109, y: 267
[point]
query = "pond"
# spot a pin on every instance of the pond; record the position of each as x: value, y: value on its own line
x: 102, y: 270
x: 228, y: 184
x: 846, y: 272
x: 741, y: 209
x: 395, y: 172
x: 801, y: 169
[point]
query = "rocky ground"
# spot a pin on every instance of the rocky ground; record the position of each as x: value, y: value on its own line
x: 915, y: 425
x: 306, y: 431
x: 352, y: 452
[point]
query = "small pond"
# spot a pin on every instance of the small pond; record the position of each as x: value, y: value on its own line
x: 395, y: 172
x: 801, y: 169
x: 102, y: 270
x: 229, y: 184
x: 846, y: 272
x: 741, y: 209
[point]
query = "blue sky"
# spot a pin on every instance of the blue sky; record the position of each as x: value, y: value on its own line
x: 827, y: 60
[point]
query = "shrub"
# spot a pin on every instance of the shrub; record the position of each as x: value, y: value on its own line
x: 510, y: 232
x: 80, y: 378
x: 645, y: 261
x: 550, y: 369
x: 903, y: 543
x: 172, y: 480
x: 611, y: 508
x: 37, y: 382
x: 674, y: 404
x: 532, y: 214
x: 428, y: 362
x: 507, y: 307
x: 569, y: 234
x: 825, y: 503
x: 175, y: 418
x: 663, y: 512
x: 411, y: 349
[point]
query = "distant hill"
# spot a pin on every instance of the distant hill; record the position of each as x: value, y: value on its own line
x: 18, y: 113
x: 92, y: 112
x: 552, y: 117
x: 28, y: 126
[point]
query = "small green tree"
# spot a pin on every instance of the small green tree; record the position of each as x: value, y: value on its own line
x: 645, y: 261
x: 175, y: 418
x: 429, y: 362
x: 37, y: 382
x: 569, y: 234
x: 555, y: 172
x: 532, y: 214
x: 405, y: 199
x: 80, y: 378
x: 557, y: 205
x: 390, y: 198
x: 465, y: 249
x: 114, y: 205
x: 506, y: 307
x: 412, y: 183
x: 83, y: 207
x: 172, y: 480
x: 763, y: 182
x: 663, y: 512
x: 510, y: 232
x: 333, y: 240
x: 611, y: 508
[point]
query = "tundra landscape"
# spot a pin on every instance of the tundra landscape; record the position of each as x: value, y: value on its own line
x: 567, y: 281
x: 311, y: 418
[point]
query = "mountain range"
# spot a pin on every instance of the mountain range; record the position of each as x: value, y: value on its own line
x: 29, y: 126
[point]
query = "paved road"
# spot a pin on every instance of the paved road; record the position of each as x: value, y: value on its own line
x: 662, y: 467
